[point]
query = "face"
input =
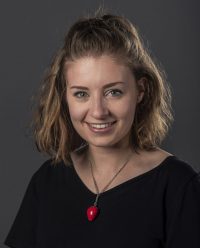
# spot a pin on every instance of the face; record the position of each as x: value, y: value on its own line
x: 102, y: 96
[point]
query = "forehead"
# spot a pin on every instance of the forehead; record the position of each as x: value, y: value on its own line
x: 104, y: 68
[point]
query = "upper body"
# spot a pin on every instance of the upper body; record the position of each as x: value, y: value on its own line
x: 104, y: 109
x: 158, y: 208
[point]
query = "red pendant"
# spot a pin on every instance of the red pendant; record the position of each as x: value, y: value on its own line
x: 92, y: 213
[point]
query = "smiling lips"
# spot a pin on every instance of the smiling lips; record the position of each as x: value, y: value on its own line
x: 101, y: 126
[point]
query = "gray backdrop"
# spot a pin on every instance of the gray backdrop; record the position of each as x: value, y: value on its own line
x: 31, y: 32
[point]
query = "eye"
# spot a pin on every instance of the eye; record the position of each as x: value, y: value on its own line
x: 115, y: 92
x: 79, y: 94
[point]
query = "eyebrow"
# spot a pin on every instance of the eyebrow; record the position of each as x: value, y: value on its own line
x: 104, y: 87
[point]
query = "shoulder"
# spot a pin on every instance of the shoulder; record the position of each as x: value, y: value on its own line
x: 171, y: 165
x: 48, y: 172
x: 177, y: 176
x: 174, y: 171
x: 180, y: 169
x: 175, y: 165
x: 174, y: 178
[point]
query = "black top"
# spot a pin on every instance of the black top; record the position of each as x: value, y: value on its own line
x: 160, y: 208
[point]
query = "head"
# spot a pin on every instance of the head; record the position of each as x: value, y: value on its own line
x: 102, y: 90
x: 97, y: 51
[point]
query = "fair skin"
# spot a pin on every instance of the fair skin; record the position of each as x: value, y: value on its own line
x: 100, y: 102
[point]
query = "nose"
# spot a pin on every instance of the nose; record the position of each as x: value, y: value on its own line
x: 98, y: 108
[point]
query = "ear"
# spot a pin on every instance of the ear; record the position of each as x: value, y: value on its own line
x: 141, y: 88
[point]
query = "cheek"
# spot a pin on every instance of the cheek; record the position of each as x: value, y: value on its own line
x: 75, y: 111
x: 128, y: 115
x: 126, y: 109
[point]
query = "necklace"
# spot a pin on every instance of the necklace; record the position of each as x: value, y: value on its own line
x: 93, y: 211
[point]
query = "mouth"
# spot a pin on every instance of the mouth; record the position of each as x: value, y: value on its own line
x: 101, y: 127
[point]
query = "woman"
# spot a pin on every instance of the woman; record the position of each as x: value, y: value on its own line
x: 103, y: 111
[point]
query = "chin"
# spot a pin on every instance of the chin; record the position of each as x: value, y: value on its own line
x: 104, y: 143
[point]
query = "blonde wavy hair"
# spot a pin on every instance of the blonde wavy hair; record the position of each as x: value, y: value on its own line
x: 98, y: 35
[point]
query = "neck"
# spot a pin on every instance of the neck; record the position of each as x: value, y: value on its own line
x: 108, y: 160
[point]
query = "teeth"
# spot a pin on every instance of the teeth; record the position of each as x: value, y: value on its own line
x: 101, y: 125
